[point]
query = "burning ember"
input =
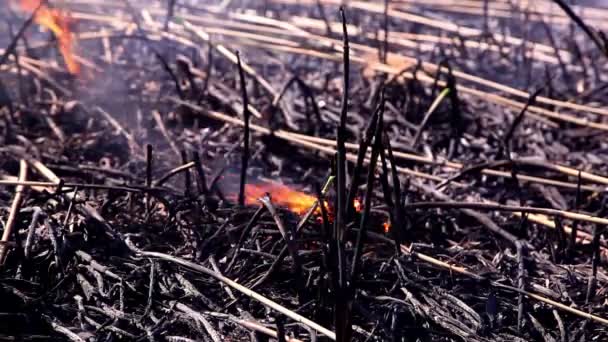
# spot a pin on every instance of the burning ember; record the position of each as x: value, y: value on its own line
x: 59, y: 23
x: 387, y: 226
x: 358, y: 205
x: 296, y: 201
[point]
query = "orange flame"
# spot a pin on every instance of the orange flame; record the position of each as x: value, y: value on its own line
x: 59, y: 23
x: 358, y: 205
x: 387, y: 226
x: 296, y: 201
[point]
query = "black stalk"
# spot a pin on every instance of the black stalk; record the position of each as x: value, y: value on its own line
x: 324, y: 216
x: 169, y: 71
x: 594, y: 36
x: 521, y: 250
x: 13, y: 44
x: 187, y: 181
x: 245, y: 157
x: 355, y: 177
x: 368, y: 194
x: 148, y: 176
x: 385, y: 27
x: 388, y: 194
x: 398, y: 226
x: 170, y: 11
x: 505, y: 148
x: 577, y: 203
x: 341, y: 164
x: 200, y: 172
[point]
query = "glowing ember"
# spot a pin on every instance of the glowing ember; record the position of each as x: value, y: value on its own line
x: 296, y: 201
x: 387, y: 226
x: 59, y: 23
x: 358, y: 205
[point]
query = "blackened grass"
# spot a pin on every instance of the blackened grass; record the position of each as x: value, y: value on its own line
x: 505, y: 148
x: 248, y: 292
x: 288, y: 235
x: 343, y: 298
x: 588, y: 31
x: 200, y: 172
x: 170, y: 12
x: 355, y: 178
x: 183, y: 168
x: 245, y: 155
x: 328, y: 31
x: 388, y: 196
x: 377, y: 147
x: 167, y: 67
x: 20, y: 81
x: 252, y: 222
x: 66, y: 220
x: 574, y: 232
x: 208, y: 73
x: 521, y: 251
x: 280, y: 328
x: 457, y: 119
x: 324, y: 216
x: 456, y: 113
x: 340, y: 143
x: 384, y: 54
x: 428, y: 115
x: 315, y: 206
x: 187, y: 181
x: 184, y: 66
x: 561, y: 239
x: 148, y: 176
x: 309, y: 99
x: 398, y: 229
x: 150, y: 290
x: 595, y: 262
x: 13, y: 44
x: 508, y: 208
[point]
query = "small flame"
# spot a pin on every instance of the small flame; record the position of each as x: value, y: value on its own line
x: 59, y: 23
x: 296, y: 201
x: 387, y: 227
x: 358, y: 205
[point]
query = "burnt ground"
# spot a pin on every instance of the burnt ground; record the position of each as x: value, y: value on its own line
x: 471, y: 139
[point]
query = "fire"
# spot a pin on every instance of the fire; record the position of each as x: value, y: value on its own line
x: 387, y: 226
x: 296, y: 201
x: 358, y: 205
x: 59, y: 23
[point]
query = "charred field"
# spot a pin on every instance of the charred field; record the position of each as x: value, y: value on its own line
x: 303, y: 170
